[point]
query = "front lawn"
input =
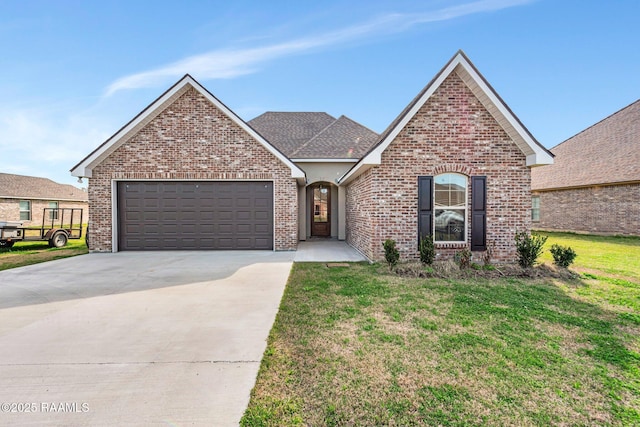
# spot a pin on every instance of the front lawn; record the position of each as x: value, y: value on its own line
x: 360, y: 346
x: 27, y: 253
x: 602, y: 255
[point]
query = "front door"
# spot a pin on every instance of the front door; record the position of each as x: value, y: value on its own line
x: 320, y: 215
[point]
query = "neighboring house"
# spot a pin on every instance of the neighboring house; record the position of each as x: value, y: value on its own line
x: 594, y: 184
x: 24, y: 198
x: 188, y: 173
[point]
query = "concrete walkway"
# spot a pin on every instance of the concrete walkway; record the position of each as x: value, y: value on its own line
x: 150, y: 338
x: 327, y: 251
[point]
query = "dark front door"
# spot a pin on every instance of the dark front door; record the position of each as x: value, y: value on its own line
x: 321, y: 212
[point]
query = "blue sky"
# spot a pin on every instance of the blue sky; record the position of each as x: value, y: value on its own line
x: 73, y: 72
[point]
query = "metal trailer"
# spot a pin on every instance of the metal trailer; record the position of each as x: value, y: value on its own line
x: 58, y: 226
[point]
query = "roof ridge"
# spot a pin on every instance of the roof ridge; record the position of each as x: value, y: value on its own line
x: 597, y: 123
x: 294, y: 112
x: 30, y: 176
x: 314, y: 136
x: 359, y: 124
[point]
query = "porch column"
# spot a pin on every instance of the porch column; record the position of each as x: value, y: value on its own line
x: 342, y: 213
x: 302, y: 212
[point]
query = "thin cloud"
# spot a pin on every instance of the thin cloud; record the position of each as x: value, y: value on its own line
x: 226, y: 64
x: 42, y: 143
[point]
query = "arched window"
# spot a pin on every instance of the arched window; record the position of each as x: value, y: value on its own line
x: 450, y: 206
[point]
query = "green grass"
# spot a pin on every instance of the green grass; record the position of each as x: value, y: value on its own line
x: 34, y: 252
x: 608, y: 255
x: 610, y: 268
x: 360, y: 346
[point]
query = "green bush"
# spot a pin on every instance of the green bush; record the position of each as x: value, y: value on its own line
x: 563, y: 256
x: 427, y: 250
x: 391, y: 254
x: 529, y: 248
x: 463, y: 258
x: 487, y: 257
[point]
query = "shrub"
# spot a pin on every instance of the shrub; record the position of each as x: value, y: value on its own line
x: 391, y: 254
x: 487, y: 257
x: 563, y: 256
x: 529, y: 248
x: 463, y: 258
x: 427, y: 250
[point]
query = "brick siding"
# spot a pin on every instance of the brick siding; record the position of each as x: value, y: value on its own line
x: 359, y: 208
x: 452, y: 132
x: 611, y: 209
x: 10, y: 210
x: 191, y: 140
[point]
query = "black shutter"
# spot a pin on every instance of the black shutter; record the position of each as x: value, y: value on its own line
x: 478, y: 213
x: 425, y: 206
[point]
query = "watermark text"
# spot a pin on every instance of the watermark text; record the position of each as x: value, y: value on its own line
x: 44, y: 407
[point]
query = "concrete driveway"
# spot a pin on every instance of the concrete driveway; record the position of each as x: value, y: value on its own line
x: 151, y: 338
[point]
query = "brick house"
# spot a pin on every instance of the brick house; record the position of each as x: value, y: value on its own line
x: 188, y: 173
x: 594, y: 184
x: 24, y: 198
x: 325, y: 148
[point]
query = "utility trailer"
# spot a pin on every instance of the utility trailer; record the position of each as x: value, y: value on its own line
x: 58, y: 226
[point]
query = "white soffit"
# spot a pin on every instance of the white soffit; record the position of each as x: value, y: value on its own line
x: 85, y: 167
x: 324, y: 160
x: 536, y: 155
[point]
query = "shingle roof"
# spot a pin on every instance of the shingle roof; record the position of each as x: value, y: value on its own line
x: 309, y: 135
x: 31, y: 187
x: 288, y: 131
x: 607, y: 152
x: 342, y: 139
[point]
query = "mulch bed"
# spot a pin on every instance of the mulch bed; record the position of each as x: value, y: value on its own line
x: 451, y: 270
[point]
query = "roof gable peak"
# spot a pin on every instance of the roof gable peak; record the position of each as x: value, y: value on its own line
x: 461, y: 65
x: 85, y: 167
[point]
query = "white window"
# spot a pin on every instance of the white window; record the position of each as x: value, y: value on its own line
x: 450, y: 205
x: 25, y: 210
x: 53, y: 214
x: 535, y: 208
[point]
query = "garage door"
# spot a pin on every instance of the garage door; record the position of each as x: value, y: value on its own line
x: 185, y: 215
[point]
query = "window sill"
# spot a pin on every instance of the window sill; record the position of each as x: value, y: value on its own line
x: 450, y: 244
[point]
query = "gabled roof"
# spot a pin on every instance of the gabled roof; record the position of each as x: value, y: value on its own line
x: 85, y: 167
x: 31, y: 187
x: 288, y: 131
x: 607, y: 152
x: 303, y: 135
x: 461, y: 65
x: 342, y: 139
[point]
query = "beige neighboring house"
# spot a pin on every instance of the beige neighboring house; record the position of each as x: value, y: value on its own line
x: 594, y: 184
x: 23, y: 198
